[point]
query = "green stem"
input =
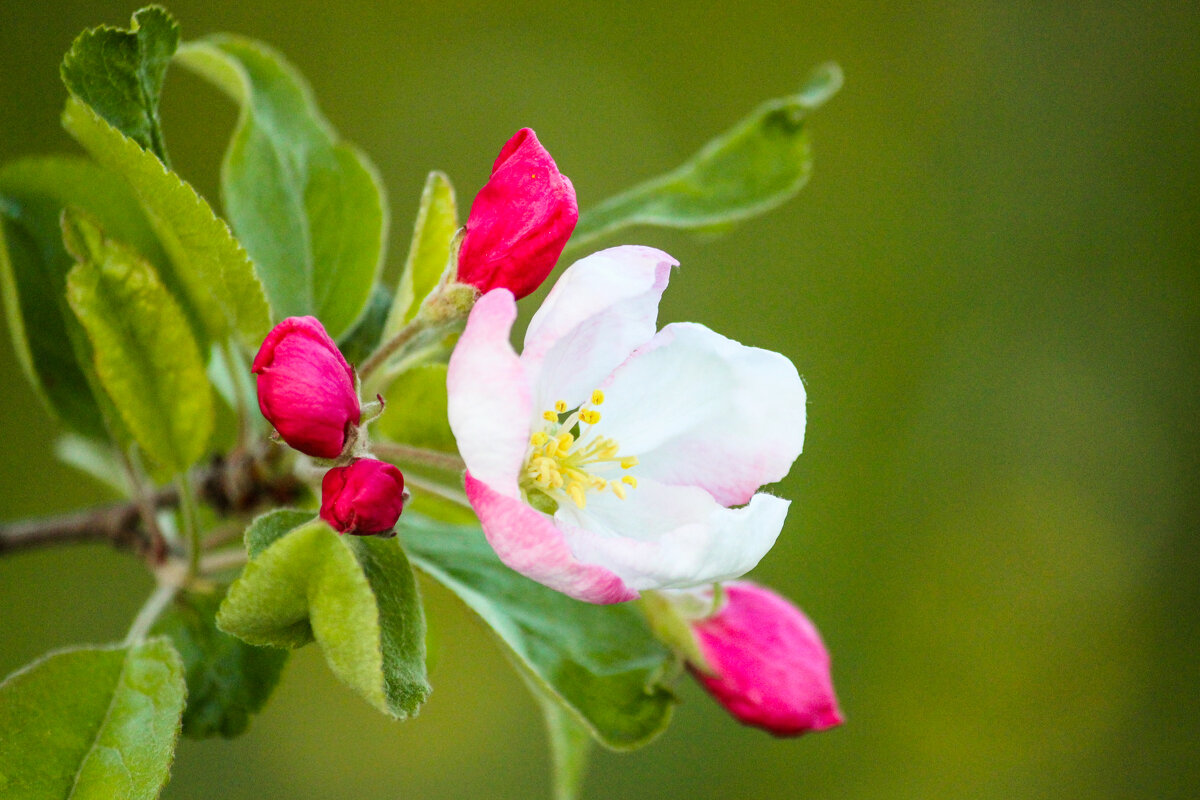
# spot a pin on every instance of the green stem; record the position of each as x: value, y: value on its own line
x: 434, y: 488
x: 191, y: 528
x: 150, y: 612
x: 419, y: 455
x: 389, y: 348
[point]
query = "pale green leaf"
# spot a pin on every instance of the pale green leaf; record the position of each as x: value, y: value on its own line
x: 415, y: 410
x: 227, y: 679
x: 356, y: 596
x: 51, y: 347
x: 753, y: 167
x: 429, y: 253
x: 212, y: 268
x: 145, y: 354
x: 308, y: 207
x: 268, y: 527
x: 120, y: 74
x: 93, y: 723
x: 600, y: 661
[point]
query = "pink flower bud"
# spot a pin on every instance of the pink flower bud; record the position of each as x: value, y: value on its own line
x: 520, y: 220
x: 306, y: 387
x: 363, y: 498
x: 767, y: 663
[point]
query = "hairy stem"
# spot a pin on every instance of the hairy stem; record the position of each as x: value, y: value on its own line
x: 419, y: 455
x: 150, y: 612
x: 434, y: 488
x: 389, y: 348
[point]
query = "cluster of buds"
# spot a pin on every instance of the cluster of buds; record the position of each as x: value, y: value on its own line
x: 308, y: 391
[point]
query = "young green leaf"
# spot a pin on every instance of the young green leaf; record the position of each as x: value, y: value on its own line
x: 753, y: 167
x: 93, y: 722
x: 356, y: 596
x: 217, y: 277
x: 120, y: 74
x: 227, y: 679
x: 308, y: 207
x: 49, y: 343
x: 437, y: 221
x: 416, y: 409
x: 145, y: 354
x: 601, y: 662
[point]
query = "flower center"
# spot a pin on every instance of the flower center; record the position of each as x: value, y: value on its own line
x: 566, y: 458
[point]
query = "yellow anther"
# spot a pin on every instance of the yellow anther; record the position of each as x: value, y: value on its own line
x: 628, y: 461
x: 617, y: 489
x: 565, y: 440
x: 597, y: 397
x: 576, y: 493
x: 598, y: 483
x: 549, y: 416
x: 590, y: 415
x: 538, y: 439
x: 629, y: 479
x: 556, y: 480
x: 561, y: 406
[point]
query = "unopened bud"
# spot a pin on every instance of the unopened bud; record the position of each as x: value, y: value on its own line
x: 364, y: 498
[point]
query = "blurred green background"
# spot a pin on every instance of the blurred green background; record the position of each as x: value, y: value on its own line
x: 991, y: 286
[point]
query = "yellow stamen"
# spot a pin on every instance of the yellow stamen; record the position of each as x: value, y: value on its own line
x: 617, y: 489
x: 629, y: 479
x: 629, y: 461
x: 538, y: 439
x: 590, y: 415
x: 565, y: 440
x: 576, y: 493
x: 549, y: 416
x: 561, y: 406
x: 597, y: 397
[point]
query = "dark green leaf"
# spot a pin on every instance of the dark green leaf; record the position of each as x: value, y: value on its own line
x: 361, y: 340
x: 753, y: 167
x: 227, y: 679
x: 355, y: 595
x: 429, y: 253
x: 120, y: 74
x: 601, y: 662
x: 95, y: 723
x: 48, y: 341
x: 308, y: 207
x: 213, y: 270
x: 145, y: 354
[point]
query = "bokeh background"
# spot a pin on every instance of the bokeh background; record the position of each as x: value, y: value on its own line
x: 991, y: 286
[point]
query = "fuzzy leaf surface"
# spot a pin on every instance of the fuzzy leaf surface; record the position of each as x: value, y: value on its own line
x: 214, y: 272
x: 145, y: 354
x: 227, y: 679
x: 308, y: 207
x: 93, y: 723
x: 356, y: 596
x: 120, y: 74
x: 756, y: 165
x: 600, y: 662
x: 429, y: 253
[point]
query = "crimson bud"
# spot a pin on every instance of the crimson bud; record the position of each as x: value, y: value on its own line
x: 363, y: 498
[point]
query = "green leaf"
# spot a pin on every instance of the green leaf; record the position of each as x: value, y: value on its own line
x: 214, y: 271
x: 416, y: 409
x: 91, y: 723
x: 361, y: 340
x: 227, y: 679
x: 102, y: 462
x: 601, y: 662
x: 49, y: 343
x: 753, y: 167
x: 429, y: 253
x: 145, y: 354
x: 308, y: 207
x: 268, y: 527
x: 120, y: 74
x: 356, y: 596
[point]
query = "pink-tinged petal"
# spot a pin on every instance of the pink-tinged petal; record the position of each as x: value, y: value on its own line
x: 664, y: 537
x: 489, y: 400
x: 601, y: 309
x: 699, y: 409
x: 532, y: 544
x: 766, y: 663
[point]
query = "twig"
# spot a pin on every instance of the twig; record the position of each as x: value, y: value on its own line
x: 419, y: 455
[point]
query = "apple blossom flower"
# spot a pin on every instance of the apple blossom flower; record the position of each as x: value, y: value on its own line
x: 608, y: 459
x: 520, y: 220
x: 765, y: 662
x: 364, y: 497
x: 306, y: 388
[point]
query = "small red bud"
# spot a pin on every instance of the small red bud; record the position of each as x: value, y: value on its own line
x: 520, y: 220
x: 306, y: 387
x: 363, y: 498
x: 766, y: 663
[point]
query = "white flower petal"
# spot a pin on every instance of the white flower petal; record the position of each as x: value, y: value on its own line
x: 532, y: 543
x: 490, y: 403
x: 699, y: 409
x: 671, y: 537
x: 601, y: 309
